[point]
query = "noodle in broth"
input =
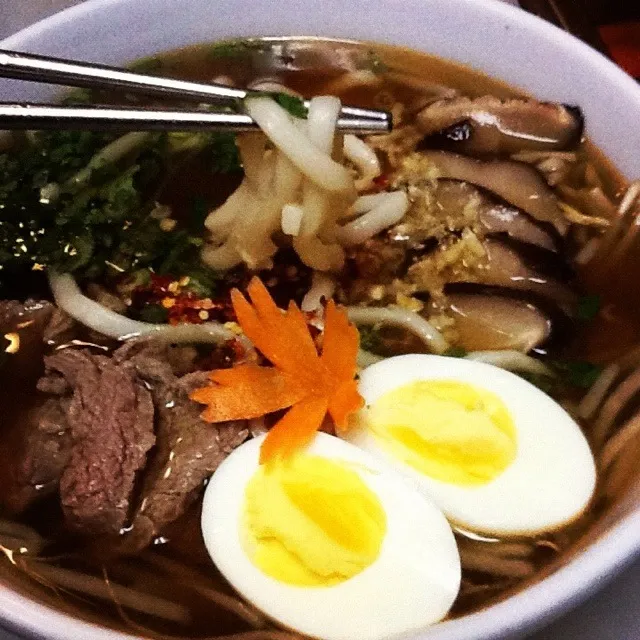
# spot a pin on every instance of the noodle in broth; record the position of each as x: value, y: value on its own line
x: 591, y: 370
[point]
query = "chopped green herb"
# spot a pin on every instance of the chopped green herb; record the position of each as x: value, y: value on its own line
x: 154, y: 313
x: 102, y: 224
x: 294, y: 105
x: 202, y: 282
x: 198, y: 212
x: 544, y: 383
x: 147, y: 65
x: 236, y: 48
x: 588, y: 307
x: 578, y: 373
x: 374, y: 63
x: 78, y: 96
x: 370, y: 339
x: 455, y: 352
x: 224, y: 154
x: 182, y: 244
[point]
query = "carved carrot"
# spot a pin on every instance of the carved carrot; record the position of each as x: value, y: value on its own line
x: 309, y: 384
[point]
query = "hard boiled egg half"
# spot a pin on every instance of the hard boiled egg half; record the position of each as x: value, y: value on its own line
x: 495, y: 453
x: 329, y: 543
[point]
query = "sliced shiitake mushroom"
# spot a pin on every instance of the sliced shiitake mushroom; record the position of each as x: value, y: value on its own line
x: 496, y: 216
x: 488, y: 125
x: 491, y: 317
x: 524, y: 267
x: 515, y: 182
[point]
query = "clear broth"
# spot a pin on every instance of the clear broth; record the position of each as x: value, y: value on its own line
x: 182, y: 543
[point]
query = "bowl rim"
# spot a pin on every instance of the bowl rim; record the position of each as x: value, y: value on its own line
x: 524, y: 612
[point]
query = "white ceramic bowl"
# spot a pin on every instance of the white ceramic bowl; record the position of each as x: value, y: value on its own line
x: 495, y: 38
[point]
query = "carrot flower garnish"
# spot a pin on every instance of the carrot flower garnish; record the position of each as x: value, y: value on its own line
x: 307, y: 383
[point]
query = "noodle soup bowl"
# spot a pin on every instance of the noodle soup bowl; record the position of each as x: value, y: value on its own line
x: 491, y: 37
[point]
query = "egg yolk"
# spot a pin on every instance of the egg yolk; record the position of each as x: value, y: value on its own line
x: 311, y: 521
x: 452, y: 431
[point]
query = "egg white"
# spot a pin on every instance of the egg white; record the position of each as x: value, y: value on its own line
x: 411, y: 584
x: 549, y: 484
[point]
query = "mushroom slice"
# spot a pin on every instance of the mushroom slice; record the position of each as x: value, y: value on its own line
x: 495, y: 216
x: 489, y: 317
x: 488, y: 125
x: 515, y: 182
x: 523, y: 267
x: 504, y: 218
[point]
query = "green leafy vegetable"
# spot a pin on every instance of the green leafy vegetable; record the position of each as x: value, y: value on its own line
x: 225, y: 157
x: 374, y: 63
x: 154, y: 313
x: 84, y: 203
x: 578, y: 373
x: 294, y: 105
x: 198, y: 212
x: 588, y: 307
x: 544, y: 383
x: 78, y: 96
x: 455, y: 352
x: 147, y: 65
x: 370, y: 339
x: 202, y: 282
x: 236, y: 48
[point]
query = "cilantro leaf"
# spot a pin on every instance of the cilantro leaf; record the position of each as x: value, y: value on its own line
x: 224, y: 154
x: 294, y: 105
x: 236, y: 48
x: 578, y: 373
x: 588, y: 307
x: 455, y: 352
x: 370, y: 339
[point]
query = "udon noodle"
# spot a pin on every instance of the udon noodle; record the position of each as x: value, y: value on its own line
x: 449, y: 242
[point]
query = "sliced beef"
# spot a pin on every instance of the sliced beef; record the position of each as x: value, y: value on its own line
x: 33, y: 433
x: 110, y: 418
x: 35, y: 468
x: 188, y: 449
x: 96, y: 420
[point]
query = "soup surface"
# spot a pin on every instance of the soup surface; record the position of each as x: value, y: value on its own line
x: 485, y: 227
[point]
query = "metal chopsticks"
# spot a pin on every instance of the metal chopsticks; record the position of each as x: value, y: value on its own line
x: 97, y: 118
x: 21, y: 66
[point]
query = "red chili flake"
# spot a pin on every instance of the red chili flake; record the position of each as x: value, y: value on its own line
x: 381, y: 182
x: 182, y: 305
